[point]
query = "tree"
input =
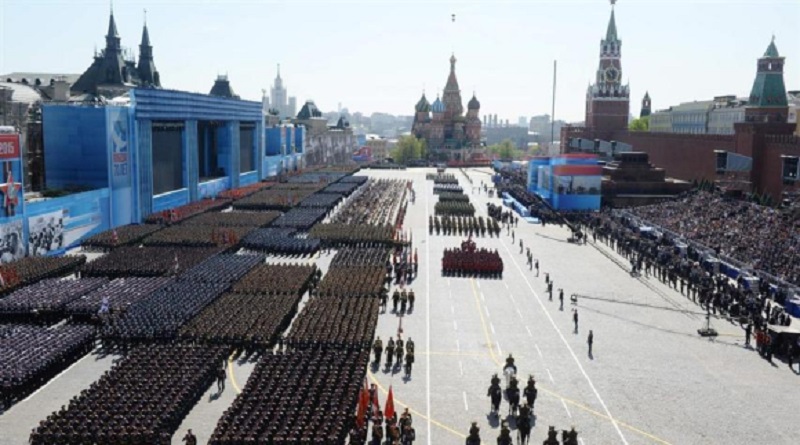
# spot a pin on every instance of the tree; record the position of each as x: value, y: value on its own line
x: 505, y: 150
x: 409, y: 148
x: 641, y: 124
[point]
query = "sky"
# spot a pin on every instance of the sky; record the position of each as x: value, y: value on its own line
x: 379, y: 56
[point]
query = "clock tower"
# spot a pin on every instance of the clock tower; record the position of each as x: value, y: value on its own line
x: 607, y: 99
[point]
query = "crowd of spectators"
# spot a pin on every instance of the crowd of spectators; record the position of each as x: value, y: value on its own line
x: 763, y: 238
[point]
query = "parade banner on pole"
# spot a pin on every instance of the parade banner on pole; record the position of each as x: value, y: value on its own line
x: 388, y: 411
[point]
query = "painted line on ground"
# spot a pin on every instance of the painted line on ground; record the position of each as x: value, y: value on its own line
x: 550, y: 375
x: 455, y: 325
x: 428, y: 320
x: 539, y: 351
x: 461, y: 367
x: 569, y: 348
x: 491, y: 326
x: 466, y: 407
x: 232, y: 377
x: 486, y: 308
x: 413, y: 411
x: 565, y: 408
x: 57, y: 376
x: 499, y: 349
x: 530, y: 334
x: 458, y: 346
x: 520, y: 314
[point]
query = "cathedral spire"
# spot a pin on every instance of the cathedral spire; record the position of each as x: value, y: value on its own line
x: 112, y: 25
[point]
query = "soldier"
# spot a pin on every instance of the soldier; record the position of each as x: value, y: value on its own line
x: 552, y: 437
x: 398, y: 352
x: 524, y: 411
x: 505, y: 436
x: 377, y: 348
x: 377, y: 433
x: 561, y: 298
x: 409, y: 363
x: 389, y: 352
x: 411, y: 299
x: 474, y: 437
x: 536, y: 266
x: 403, y: 301
x: 395, y: 300
x: 531, y: 392
x: 409, y: 345
x: 189, y: 438
x: 550, y: 290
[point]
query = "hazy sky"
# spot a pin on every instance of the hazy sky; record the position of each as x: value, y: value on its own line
x: 374, y: 55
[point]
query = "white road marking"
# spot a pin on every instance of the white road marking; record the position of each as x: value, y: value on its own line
x: 580, y: 439
x: 452, y: 309
x: 52, y: 380
x: 500, y: 351
x: 505, y: 284
x: 550, y: 375
x: 529, y: 331
x: 519, y: 313
x: 479, y: 284
x: 466, y: 407
x: 492, y: 326
x: 428, y: 321
x: 458, y: 345
x: 512, y: 298
x: 455, y: 326
x: 539, y: 351
x: 461, y: 367
x: 486, y: 308
x: 482, y: 298
x: 566, y: 409
x: 566, y: 344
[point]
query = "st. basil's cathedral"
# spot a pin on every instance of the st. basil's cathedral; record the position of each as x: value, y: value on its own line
x: 448, y: 133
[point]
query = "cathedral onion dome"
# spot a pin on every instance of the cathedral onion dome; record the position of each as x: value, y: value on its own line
x: 423, y: 105
x: 438, y: 106
x: 473, y: 103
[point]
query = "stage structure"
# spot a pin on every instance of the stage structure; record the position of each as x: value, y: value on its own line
x: 568, y: 181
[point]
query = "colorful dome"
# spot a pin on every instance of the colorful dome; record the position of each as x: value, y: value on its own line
x: 438, y: 106
x: 473, y: 103
x: 423, y: 105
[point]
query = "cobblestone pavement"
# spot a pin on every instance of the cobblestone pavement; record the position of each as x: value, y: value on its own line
x: 652, y: 379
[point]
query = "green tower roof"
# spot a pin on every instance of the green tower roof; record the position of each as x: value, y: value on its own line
x: 611, y: 33
x: 772, y: 50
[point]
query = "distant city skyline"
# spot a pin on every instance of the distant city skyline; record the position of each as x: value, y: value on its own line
x: 378, y: 56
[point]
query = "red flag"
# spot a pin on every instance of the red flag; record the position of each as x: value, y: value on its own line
x: 388, y: 411
x: 363, y: 401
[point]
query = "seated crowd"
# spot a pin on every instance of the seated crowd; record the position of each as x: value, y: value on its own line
x: 762, y: 237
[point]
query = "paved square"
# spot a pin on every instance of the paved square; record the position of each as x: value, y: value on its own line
x: 652, y: 379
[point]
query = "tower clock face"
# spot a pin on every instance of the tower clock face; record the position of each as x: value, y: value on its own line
x: 611, y: 74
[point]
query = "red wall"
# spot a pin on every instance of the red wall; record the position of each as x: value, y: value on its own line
x: 682, y: 156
